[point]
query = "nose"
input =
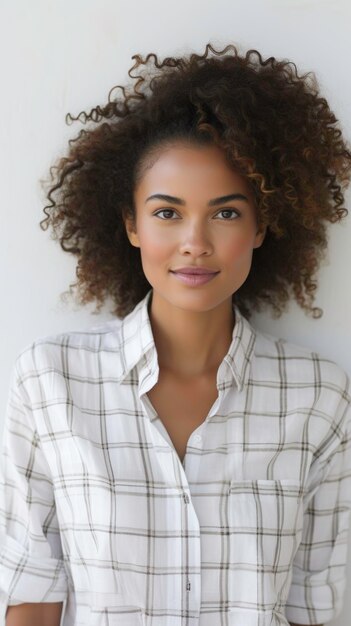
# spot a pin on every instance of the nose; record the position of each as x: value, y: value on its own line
x: 195, y: 241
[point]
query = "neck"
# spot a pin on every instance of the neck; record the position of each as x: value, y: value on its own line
x: 190, y: 343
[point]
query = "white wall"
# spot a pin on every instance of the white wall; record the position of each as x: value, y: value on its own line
x: 65, y: 55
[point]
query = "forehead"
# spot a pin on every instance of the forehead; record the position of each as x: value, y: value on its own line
x: 192, y: 167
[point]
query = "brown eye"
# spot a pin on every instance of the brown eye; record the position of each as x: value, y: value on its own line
x: 164, y: 211
x: 230, y: 211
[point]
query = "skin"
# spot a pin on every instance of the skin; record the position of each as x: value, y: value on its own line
x: 40, y: 614
x: 193, y: 326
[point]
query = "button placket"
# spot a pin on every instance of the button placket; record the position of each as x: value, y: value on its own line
x: 186, y: 498
x: 186, y: 501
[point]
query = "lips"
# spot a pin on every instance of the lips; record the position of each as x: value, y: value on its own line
x: 194, y: 280
x: 194, y: 271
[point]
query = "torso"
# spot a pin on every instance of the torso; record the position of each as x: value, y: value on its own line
x: 182, y: 405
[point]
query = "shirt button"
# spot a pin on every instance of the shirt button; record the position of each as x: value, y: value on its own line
x: 197, y: 438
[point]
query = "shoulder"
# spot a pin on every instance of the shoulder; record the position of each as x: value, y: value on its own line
x: 305, y: 381
x: 301, y: 367
x: 76, y: 348
x: 298, y: 360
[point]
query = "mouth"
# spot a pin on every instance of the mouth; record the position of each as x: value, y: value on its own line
x: 193, y: 279
x: 194, y: 272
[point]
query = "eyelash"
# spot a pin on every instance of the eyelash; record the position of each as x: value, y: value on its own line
x: 221, y: 211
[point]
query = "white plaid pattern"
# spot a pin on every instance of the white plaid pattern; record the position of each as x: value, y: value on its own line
x: 97, y: 509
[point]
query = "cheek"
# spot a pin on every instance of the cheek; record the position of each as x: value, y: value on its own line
x: 238, y: 248
x: 153, y: 248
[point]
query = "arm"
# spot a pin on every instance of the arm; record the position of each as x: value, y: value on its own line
x: 41, y: 614
x: 31, y: 559
x: 318, y: 580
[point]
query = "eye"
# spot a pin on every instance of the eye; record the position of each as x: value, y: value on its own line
x: 229, y: 211
x: 164, y: 211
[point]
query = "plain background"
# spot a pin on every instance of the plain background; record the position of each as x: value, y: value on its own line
x: 60, y: 56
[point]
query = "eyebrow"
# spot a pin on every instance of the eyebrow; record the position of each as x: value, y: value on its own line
x: 213, y: 202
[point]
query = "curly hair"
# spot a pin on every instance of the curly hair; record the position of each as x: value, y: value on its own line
x: 275, y: 129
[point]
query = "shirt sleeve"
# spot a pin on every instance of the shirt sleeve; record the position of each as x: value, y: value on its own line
x: 31, y: 563
x: 318, y: 582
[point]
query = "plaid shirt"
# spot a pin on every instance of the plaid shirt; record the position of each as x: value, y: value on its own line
x: 98, y: 510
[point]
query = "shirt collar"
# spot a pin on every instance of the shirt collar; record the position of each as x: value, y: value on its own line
x: 138, y: 349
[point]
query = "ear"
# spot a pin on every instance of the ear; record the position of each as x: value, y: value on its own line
x: 260, y: 235
x: 131, y: 232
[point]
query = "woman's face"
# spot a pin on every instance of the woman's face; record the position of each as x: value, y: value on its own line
x: 195, y: 225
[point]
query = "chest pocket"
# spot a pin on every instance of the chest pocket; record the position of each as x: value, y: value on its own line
x: 265, y: 518
x: 105, y: 608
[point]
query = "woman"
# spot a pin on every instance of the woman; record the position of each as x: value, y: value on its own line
x: 174, y: 465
